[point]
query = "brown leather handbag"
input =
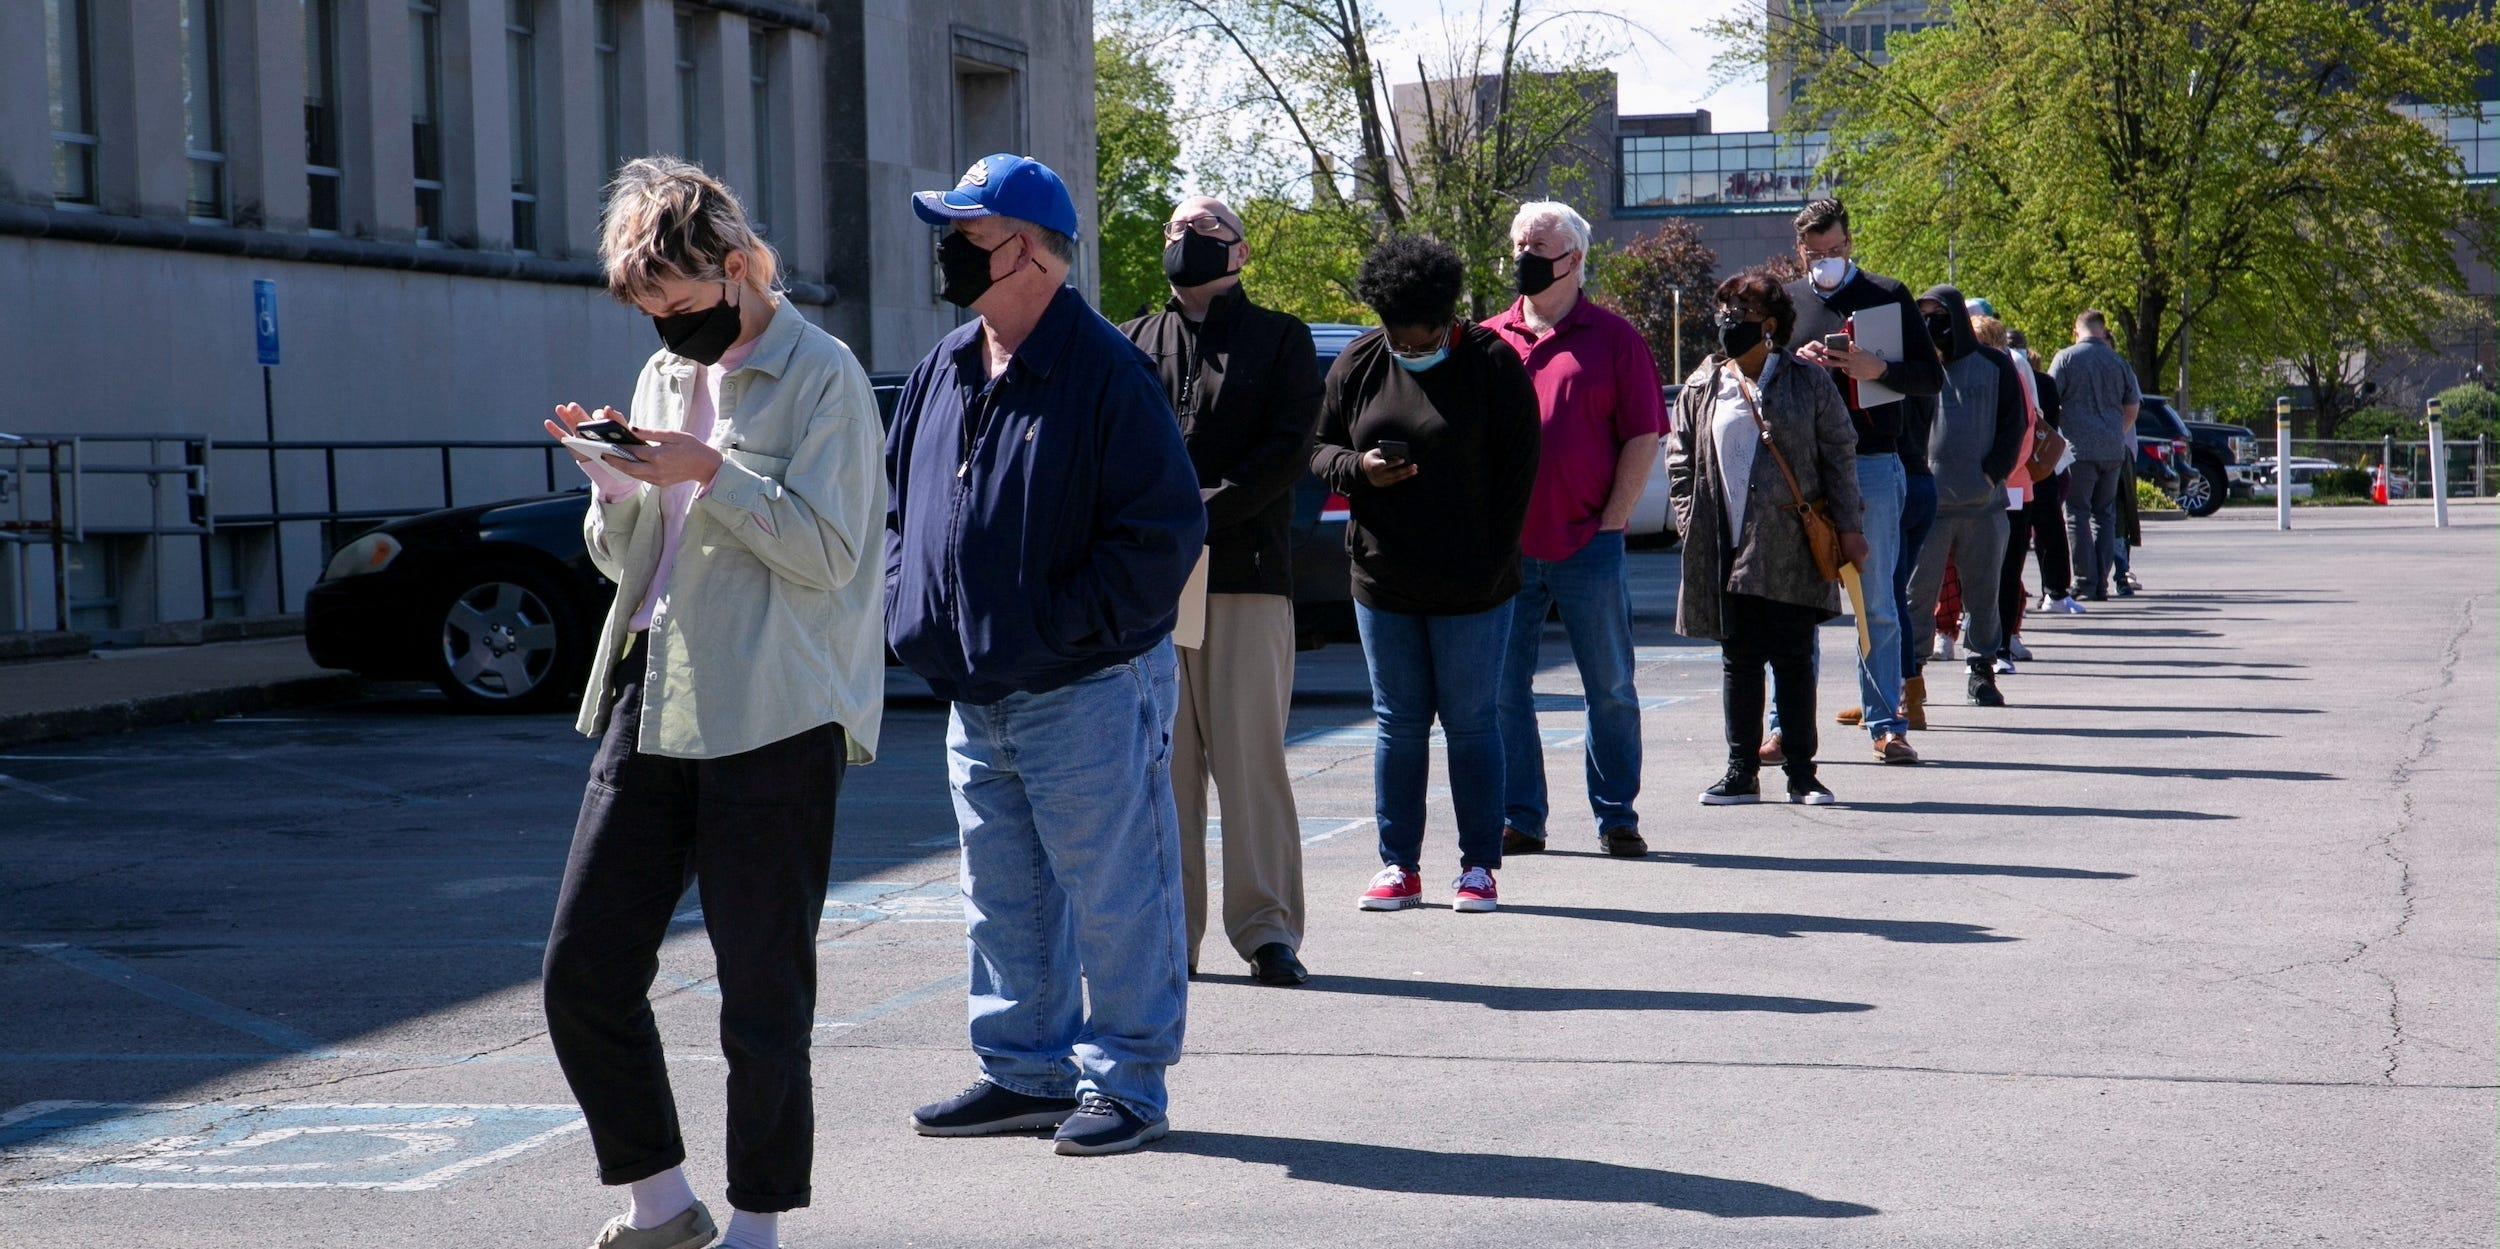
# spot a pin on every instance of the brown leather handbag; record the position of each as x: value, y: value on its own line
x: 2047, y: 447
x: 1822, y: 535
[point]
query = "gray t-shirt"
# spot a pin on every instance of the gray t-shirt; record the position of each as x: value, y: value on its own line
x: 2094, y: 384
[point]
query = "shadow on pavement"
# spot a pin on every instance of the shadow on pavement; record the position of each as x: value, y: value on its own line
x: 1385, y: 1168
x: 2178, y: 711
x: 2175, y: 663
x: 2034, y: 730
x: 2117, y: 769
x: 2020, y: 809
x: 1538, y: 998
x: 1758, y: 924
x: 1876, y: 867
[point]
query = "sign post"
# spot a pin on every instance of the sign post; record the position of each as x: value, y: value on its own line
x: 265, y: 341
x: 2283, y: 462
x: 2439, y: 465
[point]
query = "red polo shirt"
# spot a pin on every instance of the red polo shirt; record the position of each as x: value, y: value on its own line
x: 1596, y: 389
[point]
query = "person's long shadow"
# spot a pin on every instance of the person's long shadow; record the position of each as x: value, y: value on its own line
x: 1541, y: 998
x: 1930, y: 807
x: 2130, y: 769
x: 1393, y: 1169
x: 1870, y: 867
x: 1772, y: 924
x: 2149, y: 709
x: 2168, y: 663
x: 2043, y: 730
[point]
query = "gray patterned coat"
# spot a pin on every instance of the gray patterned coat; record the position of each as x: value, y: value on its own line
x: 1812, y: 426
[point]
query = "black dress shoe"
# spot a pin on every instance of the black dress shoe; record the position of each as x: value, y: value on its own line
x: 1516, y: 842
x: 1275, y: 964
x: 1624, y: 843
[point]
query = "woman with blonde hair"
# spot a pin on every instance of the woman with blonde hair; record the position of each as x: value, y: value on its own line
x: 740, y: 671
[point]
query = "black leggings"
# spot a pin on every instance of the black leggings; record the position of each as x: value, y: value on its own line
x: 1762, y: 631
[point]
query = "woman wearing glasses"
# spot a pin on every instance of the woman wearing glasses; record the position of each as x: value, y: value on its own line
x: 1429, y: 429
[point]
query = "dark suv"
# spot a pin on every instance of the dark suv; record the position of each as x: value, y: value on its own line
x: 2164, y: 454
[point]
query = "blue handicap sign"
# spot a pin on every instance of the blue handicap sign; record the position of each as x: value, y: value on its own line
x: 392, y: 1147
x: 265, y: 318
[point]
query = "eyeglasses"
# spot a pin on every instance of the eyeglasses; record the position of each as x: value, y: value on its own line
x: 1419, y: 353
x: 1204, y: 223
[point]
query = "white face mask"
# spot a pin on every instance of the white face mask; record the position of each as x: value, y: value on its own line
x: 1829, y: 273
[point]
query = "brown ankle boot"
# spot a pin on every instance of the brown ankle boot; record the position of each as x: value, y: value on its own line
x: 1914, y: 702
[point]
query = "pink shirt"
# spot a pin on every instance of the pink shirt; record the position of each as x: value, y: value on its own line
x: 702, y: 410
x: 1596, y: 389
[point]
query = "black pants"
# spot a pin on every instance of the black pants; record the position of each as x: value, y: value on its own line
x: 1761, y: 631
x: 754, y: 831
x: 2048, y: 536
x: 2021, y: 529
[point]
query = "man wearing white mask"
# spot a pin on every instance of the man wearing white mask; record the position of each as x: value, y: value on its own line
x: 1892, y: 458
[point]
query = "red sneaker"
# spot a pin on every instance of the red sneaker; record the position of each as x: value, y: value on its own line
x: 1394, y: 889
x: 1475, y: 892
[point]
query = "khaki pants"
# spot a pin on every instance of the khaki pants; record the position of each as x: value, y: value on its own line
x: 1234, y: 695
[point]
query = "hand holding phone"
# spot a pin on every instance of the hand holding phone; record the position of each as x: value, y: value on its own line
x: 1837, y: 344
x: 592, y: 437
x: 1393, y: 450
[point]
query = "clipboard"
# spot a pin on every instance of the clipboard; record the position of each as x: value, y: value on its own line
x: 1190, y: 631
x: 1877, y: 331
x: 1856, y: 586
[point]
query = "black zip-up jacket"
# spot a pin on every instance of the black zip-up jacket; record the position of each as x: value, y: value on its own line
x: 1917, y: 374
x: 1252, y: 404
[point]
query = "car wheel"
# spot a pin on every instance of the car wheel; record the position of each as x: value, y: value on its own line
x: 504, y: 640
x: 2199, y: 492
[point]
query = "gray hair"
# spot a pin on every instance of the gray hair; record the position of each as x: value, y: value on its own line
x: 1554, y: 213
x: 1052, y: 241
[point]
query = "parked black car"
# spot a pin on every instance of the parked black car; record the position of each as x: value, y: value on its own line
x: 2226, y: 455
x: 2162, y: 451
x: 499, y: 606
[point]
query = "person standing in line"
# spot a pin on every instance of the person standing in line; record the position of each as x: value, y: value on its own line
x: 2098, y: 393
x: 2019, y: 491
x: 1245, y: 383
x: 2048, y: 509
x: 1756, y: 438
x: 740, y: 672
x: 1981, y: 426
x: 1601, y: 409
x: 1890, y: 468
x: 1045, y: 522
x: 1429, y: 430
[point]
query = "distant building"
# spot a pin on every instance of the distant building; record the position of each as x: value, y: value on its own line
x: 422, y: 180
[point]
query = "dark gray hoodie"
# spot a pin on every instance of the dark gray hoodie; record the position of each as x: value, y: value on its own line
x: 1980, y: 416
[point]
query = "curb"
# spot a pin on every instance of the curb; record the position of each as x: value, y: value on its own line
x: 162, y: 709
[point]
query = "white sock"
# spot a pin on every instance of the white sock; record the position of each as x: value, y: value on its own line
x: 658, y: 1199
x: 751, y: 1231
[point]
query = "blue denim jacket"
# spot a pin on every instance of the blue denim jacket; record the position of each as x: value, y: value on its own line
x: 1043, y: 523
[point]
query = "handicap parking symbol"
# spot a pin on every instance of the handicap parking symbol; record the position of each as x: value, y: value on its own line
x: 393, y: 1147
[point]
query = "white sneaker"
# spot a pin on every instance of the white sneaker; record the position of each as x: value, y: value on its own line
x: 2067, y: 606
x: 2005, y: 666
x: 2048, y: 601
x: 1944, y: 648
x: 2015, y: 649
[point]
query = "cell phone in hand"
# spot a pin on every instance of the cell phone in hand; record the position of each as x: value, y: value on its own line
x: 1391, y: 449
x: 614, y: 433
x: 1836, y: 343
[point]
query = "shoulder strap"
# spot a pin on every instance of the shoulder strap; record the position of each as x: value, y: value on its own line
x: 1795, y: 491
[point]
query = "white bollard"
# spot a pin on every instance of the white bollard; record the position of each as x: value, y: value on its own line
x: 2283, y: 462
x: 2439, y: 466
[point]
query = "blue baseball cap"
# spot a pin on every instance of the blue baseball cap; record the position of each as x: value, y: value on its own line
x: 1002, y: 184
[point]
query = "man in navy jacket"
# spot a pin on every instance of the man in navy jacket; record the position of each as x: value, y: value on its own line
x: 1045, y: 520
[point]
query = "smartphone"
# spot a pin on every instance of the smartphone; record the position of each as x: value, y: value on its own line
x: 614, y: 433
x: 1836, y: 342
x: 598, y: 450
x: 1392, y: 450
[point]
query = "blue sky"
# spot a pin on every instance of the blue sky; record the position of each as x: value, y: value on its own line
x: 1668, y: 74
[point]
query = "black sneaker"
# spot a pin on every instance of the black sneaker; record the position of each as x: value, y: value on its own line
x: 1983, y: 689
x: 1734, y: 789
x: 1103, y: 1126
x: 1623, y: 842
x: 1275, y: 964
x: 2123, y: 590
x: 988, y: 1109
x: 1809, y: 793
x: 1516, y: 842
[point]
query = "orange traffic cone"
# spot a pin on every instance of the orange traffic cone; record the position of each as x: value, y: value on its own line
x: 2378, y: 485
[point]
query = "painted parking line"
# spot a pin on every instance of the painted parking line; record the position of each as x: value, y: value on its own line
x: 1566, y: 733
x: 391, y: 1147
x: 1675, y: 654
x: 32, y: 790
x: 235, y: 1018
x: 943, y: 987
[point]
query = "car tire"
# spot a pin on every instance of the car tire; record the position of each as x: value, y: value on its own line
x: 2202, y: 490
x: 505, y: 638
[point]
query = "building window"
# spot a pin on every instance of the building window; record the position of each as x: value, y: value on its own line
x: 689, y: 91
x: 321, y: 114
x: 611, y: 87
x: 425, y: 97
x: 760, y: 94
x: 1674, y: 171
x: 203, y: 121
x: 69, y: 55
x: 520, y: 32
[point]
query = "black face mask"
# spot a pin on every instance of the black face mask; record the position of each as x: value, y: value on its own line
x: 1738, y: 337
x: 1533, y: 273
x: 1939, y: 327
x: 965, y: 267
x: 703, y: 337
x: 1196, y: 259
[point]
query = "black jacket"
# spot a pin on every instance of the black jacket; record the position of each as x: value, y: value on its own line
x: 1253, y: 402
x: 1917, y: 374
x: 1444, y: 542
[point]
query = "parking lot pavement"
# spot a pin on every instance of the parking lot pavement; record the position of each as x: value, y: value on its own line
x: 2190, y: 946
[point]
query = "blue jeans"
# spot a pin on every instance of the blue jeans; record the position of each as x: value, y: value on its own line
x: 1422, y: 667
x: 1072, y: 884
x: 1918, y: 515
x: 1883, y: 484
x: 1596, y: 605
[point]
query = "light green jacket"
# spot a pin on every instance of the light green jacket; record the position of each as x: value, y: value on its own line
x: 774, y: 620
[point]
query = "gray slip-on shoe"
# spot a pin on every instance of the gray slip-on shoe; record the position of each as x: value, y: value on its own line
x: 691, y: 1229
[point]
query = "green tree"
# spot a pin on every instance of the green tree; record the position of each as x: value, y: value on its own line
x: 2470, y: 411
x: 1643, y: 282
x: 1135, y: 154
x: 2217, y: 166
